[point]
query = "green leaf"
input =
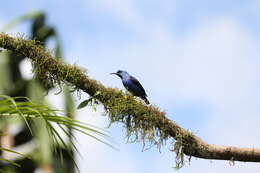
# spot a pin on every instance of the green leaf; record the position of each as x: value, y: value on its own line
x: 10, y: 162
x: 27, y: 110
x: 84, y: 103
x: 15, y: 152
x: 20, y: 19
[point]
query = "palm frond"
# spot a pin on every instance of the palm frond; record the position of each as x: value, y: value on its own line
x: 19, y: 19
x: 14, y: 152
x: 12, y: 107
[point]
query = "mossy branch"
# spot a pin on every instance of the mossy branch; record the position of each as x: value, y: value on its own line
x: 143, y: 123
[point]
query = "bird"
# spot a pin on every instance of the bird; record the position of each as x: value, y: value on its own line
x: 132, y: 85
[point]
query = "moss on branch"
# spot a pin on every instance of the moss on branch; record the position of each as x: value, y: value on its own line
x: 143, y: 123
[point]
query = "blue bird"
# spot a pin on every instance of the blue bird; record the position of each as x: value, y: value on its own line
x: 132, y: 85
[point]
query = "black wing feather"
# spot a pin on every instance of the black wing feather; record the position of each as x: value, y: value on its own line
x: 137, y: 83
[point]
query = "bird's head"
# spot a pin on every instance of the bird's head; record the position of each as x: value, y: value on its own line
x: 121, y: 73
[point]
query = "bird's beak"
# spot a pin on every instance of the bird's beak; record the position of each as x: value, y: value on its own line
x: 114, y: 73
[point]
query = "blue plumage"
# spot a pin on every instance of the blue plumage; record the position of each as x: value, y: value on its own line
x: 132, y: 85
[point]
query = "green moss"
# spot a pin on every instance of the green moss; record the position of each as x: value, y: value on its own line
x: 143, y: 123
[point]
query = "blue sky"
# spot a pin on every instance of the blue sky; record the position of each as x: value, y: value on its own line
x: 197, y: 60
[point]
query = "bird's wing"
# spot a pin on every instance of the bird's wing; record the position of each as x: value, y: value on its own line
x: 137, y: 83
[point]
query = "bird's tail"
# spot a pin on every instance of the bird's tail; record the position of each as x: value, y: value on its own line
x: 146, y: 100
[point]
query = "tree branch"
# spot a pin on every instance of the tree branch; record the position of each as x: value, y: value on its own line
x: 143, y: 123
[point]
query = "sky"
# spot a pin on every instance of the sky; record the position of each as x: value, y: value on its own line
x: 197, y: 60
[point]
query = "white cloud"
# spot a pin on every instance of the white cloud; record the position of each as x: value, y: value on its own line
x: 136, y: 15
x: 126, y: 11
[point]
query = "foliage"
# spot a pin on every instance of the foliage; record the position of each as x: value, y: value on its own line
x: 27, y: 110
x: 41, y: 121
